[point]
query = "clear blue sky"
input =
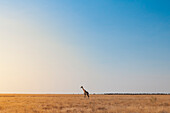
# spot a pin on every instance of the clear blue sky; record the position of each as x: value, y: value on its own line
x: 106, y: 46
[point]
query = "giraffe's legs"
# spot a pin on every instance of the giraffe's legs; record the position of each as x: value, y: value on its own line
x: 88, y: 95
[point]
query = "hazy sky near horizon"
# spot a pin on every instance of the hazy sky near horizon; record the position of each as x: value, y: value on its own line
x: 106, y: 46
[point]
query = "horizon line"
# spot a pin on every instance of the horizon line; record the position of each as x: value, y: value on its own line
x: 105, y: 93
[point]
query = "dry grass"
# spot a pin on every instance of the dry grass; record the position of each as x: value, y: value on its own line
x: 30, y: 103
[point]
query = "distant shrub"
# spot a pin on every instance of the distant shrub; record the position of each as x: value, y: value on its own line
x: 153, y: 99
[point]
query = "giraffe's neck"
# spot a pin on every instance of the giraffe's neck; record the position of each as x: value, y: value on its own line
x: 84, y: 90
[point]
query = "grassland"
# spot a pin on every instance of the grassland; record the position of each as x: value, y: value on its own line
x: 56, y: 103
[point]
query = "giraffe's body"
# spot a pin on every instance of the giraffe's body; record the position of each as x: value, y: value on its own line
x: 85, y: 92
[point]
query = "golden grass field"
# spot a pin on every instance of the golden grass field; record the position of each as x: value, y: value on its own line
x: 69, y: 103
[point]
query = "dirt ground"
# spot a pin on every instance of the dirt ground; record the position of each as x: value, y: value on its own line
x: 67, y: 103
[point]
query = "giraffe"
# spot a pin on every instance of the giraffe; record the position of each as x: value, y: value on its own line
x: 85, y: 92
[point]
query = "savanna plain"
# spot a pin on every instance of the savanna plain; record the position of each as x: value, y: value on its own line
x: 75, y: 103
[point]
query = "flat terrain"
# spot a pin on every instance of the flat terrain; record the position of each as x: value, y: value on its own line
x: 57, y: 103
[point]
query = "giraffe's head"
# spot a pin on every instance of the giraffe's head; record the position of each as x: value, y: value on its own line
x: 81, y: 87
